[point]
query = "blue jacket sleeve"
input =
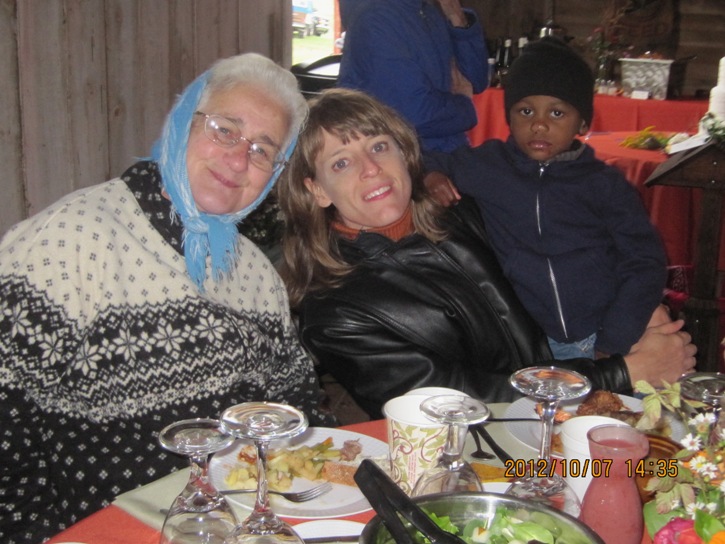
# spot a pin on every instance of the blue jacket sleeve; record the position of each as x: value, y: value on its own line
x: 471, y: 53
x: 389, y: 60
x: 641, y: 268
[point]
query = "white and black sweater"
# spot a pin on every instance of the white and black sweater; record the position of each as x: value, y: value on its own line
x: 104, y: 340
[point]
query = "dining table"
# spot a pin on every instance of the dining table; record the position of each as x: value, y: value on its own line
x: 611, y: 114
x: 136, y: 516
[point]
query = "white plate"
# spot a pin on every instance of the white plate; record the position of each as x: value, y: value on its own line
x: 342, y: 500
x: 495, y: 487
x: 529, y: 432
x: 329, y: 527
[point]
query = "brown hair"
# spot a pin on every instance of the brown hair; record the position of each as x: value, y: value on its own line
x: 311, y: 258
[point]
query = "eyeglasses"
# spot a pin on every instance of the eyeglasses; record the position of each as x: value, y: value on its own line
x: 225, y: 133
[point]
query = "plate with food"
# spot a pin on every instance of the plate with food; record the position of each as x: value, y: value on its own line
x: 317, y: 455
x: 602, y: 403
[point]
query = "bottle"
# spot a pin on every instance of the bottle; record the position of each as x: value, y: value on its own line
x: 507, y: 57
x: 523, y: 40
x: 498, y: 57
x: 612, y: 506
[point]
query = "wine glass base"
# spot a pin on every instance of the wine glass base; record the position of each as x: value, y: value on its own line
x: 280, y: 533
x: 554, y: 492
x: 446, y: 480
x: 194, y: 527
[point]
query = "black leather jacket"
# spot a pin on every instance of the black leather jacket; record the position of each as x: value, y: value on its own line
x: 414, y: 314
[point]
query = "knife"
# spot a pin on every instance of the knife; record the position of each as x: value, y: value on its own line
x: 498, y: 450
x: 389, y: 501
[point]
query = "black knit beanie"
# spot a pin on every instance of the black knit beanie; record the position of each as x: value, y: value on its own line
x: 550, y: 67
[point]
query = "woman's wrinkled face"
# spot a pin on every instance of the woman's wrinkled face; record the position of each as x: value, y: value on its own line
x: 544, y: 126
x: 222, y: 179
x: 367, y: 180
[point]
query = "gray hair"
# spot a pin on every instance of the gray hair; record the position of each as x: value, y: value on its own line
x: 263, y: 72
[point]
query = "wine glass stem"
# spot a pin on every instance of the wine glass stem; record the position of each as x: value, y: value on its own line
x: 547, y: 426
x: 199, y: 477
x: 262, y: 503
x: 455, y: 440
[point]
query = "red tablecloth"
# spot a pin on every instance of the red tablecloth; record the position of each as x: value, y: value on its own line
x: 112, y: 525
x: 611, y: 113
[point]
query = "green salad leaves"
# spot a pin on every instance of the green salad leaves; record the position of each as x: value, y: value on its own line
x: 508, y: 526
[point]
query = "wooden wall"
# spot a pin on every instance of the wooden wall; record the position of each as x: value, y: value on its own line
x: 700, y: 26
x: 86, y: 84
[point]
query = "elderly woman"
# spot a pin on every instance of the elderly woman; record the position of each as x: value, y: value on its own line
x: 395, y: 292
x: 135, y: 303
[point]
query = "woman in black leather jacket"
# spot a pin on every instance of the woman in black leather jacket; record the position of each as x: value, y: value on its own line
x: 394, y: 292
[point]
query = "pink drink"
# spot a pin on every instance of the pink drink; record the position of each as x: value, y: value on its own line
x: 612, y: 506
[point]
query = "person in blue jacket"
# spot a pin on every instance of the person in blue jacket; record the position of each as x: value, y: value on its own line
x: 423, y: 58
x: 570, y: 232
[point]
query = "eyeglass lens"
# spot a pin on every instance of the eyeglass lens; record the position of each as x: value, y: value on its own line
x: 226, y: 133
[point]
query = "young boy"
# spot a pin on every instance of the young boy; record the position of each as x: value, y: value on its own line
x: 570, y: 232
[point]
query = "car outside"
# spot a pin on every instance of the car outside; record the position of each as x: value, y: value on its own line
x: 303, y: 23
x: 320, y: 24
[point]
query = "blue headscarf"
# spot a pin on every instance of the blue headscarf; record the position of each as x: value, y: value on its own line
x: 204, y: 234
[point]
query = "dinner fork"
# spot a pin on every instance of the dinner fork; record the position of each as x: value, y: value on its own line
x: 293, y: 496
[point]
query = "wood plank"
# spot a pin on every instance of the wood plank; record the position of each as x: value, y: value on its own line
x: 217, y: 27
x: 44, y: 102
x: 85, y: 67
x: 184, y: 65
x: 12, y: 204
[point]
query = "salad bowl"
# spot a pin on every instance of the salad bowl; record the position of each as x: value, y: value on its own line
x: 492, y: 518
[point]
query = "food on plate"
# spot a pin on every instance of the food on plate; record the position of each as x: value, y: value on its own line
x: 321, y: 461
x: 608, y: 404
x: 600, y: 403
x: 338, y: 473
x: 489, y: 473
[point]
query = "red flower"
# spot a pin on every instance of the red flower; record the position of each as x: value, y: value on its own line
x: 678, y: 531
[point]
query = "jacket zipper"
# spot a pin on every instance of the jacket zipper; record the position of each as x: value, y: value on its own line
x: 552, y: 276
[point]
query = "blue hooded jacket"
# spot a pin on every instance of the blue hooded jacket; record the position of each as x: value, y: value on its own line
x: 572, y: 236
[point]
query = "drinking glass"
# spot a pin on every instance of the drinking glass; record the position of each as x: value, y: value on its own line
x: 548, y: 385
x: 263, y: 422
x: 702, y: 395
x: 451, y: 472
x: 199, y: 514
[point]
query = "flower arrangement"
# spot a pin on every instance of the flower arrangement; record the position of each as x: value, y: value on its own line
x: 690, y: 507
x: 714, y: 126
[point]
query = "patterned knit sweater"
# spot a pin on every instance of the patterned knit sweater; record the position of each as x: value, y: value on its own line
x: 105, y: 340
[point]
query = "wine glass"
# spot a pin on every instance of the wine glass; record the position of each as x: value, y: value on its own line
x: 702, y: 395
x: 451, y: 472
x: 263, y: 422
x: 199, y: 514
x: 548, y: 385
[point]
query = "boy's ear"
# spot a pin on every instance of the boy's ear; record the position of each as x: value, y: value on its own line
x: 584, y: 128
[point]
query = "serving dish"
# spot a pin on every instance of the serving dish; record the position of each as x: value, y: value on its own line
x: 464, y: 507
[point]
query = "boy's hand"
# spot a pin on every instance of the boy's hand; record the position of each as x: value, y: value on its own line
x: 441, y: 188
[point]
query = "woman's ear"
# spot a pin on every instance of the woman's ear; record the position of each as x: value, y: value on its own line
x: 318, y: 192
